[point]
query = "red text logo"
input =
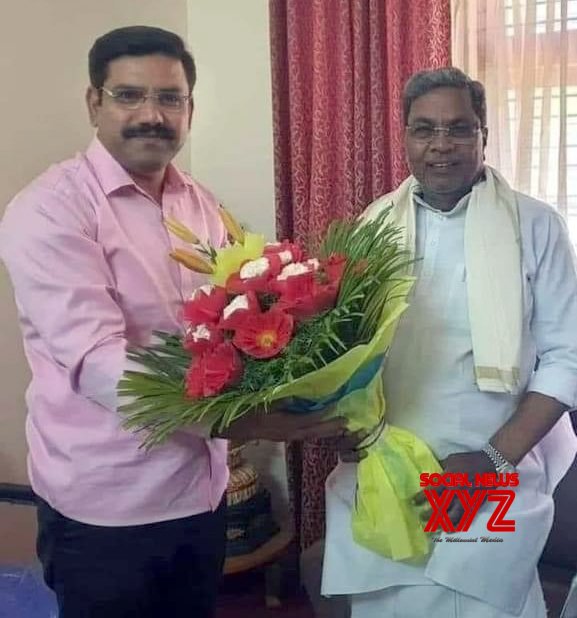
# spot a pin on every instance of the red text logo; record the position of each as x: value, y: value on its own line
x: 487, y: 489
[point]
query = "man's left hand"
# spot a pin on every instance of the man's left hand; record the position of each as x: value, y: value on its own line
x: 470, y: 464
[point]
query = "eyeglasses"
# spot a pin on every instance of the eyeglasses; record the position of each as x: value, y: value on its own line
x: 458, y: 134
x: 134, y: 98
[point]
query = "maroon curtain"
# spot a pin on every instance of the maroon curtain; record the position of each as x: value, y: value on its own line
x: 338, y: 70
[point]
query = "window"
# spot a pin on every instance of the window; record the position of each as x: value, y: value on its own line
x: 543, y: 159
x: 525, y: 52
x: 548, y: 15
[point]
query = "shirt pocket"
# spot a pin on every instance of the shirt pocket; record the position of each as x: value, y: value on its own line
x: 457, y: 308
x: 527, y: 294
x: 457, y: 326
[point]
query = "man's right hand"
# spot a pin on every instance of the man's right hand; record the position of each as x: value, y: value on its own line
x: 280, y: 426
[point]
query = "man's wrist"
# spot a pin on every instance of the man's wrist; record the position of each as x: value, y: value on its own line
x: 502, y: 465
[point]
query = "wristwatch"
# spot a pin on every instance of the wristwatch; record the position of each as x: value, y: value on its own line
x: 500, y: 463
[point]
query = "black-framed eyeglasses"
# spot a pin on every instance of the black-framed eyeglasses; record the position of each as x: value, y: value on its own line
x: 458, y: 133
x: 134, y: 98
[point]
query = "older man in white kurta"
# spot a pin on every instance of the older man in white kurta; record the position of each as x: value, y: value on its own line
x: 431, y: 390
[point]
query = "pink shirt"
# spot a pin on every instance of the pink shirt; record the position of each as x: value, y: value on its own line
x: 87, y: 253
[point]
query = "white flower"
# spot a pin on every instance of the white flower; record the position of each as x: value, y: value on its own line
x: 254, y: 268
x: 286, y: 257
x: 207, y: 289
x: 200, y: 332
x: 240, y: 302
x: 291, y: 270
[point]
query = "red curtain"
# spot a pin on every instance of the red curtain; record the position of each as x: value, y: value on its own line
x: 338, y: 70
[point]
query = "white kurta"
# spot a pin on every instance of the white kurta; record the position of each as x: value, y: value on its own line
x: 431, y: 391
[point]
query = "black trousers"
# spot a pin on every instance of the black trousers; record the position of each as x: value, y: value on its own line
x: 168, y: 569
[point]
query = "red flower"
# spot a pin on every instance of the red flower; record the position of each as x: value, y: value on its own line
x: 308, y: 294
x: 212, y: 372
x: 304, y: 306
x: 297, y: 254
x: 334, y: 266
x: 260, y: 282
x: 265, y: 335
x: 236, y: 318
x: 295, y: 286
x: 202, y: 337
x: 205, y: 308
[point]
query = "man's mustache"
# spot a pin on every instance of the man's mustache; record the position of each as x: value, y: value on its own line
x: 148, y: 130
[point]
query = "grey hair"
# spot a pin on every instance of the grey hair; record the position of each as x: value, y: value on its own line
x: 448, y: 77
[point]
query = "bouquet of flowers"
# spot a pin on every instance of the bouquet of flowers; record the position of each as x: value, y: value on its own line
x: 276, y: 323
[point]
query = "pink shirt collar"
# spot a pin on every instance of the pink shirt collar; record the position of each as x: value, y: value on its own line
x: 112, y: 176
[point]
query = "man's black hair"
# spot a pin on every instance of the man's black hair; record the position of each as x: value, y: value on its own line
x: 137, y: 41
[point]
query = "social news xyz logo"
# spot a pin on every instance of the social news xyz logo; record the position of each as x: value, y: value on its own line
x: 487, y: 489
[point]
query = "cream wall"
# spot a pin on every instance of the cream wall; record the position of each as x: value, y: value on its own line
x: 231, y: 139
x: 231, y: 143
x: 43, y: 75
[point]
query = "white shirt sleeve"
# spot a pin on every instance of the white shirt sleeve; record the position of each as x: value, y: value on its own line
x: 554, y: 320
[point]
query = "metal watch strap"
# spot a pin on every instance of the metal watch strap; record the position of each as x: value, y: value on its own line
x: 496, y: 457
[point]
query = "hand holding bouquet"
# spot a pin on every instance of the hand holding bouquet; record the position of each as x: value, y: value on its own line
x: 277, y: 326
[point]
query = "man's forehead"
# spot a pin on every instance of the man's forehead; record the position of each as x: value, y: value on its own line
x: 154, y: 70
x: 443, y: 103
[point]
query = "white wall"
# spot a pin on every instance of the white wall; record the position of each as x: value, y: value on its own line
x: 231, y: 140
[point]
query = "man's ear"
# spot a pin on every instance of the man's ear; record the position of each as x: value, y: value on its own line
x: 485, y: 133
x: 93, y: 101
x: 190, y: 111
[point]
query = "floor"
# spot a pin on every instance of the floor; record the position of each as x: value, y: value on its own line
x: 23, y: 595
x: 243, y: 596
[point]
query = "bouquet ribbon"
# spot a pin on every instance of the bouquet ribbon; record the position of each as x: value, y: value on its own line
x: 384, y: 519
x: 360, y: 379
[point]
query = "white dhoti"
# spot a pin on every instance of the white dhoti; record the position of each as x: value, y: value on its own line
x: 437, y: 602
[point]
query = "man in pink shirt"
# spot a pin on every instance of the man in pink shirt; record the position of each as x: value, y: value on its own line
x: 122, y: 532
